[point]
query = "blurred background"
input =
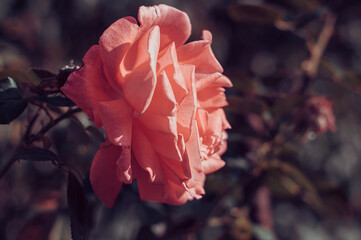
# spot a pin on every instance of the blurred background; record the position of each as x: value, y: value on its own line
x: 293, y: 160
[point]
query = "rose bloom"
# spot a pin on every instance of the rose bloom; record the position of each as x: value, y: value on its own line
x: 316, y: 116
x: 160, y: 101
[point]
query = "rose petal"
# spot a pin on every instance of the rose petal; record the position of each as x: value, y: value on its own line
x: 139, y: 84
x: 187, y: 108
x: 194, y: 155
x: 174, y: 24
x: 211, y: 80
x: 103, y: 175
x: 119, y: 131
x: 114, y: 43
x: 168, y: 62
x: 212, y: 164
x: 199, y: 54
x: 212, y: 98
x: 170, y: 191
x: 146, y: 157
x: 87, y: 86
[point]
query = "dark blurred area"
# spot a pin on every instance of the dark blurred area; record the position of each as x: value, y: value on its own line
x: 293, y: 160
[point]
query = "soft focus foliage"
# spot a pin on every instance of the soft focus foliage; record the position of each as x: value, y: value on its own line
x: 292, y: 165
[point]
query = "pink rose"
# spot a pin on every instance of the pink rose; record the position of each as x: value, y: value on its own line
x: 160, y: 102
x: 316, y: 116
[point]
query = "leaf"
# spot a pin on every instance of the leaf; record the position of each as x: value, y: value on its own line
x: 20, y: 76
x: 42, y: 73
x: 78, y: 209
x: 11, y: 101
x: 265, y: 14
x: 57, y: 100
x: 36, y: 154
x: 288, y: 181
x: 261, y: 233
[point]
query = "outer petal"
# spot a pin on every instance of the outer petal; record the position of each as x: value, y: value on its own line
x: 160, y: 120
x: 114, y: 43
x: 146, y: 157
x: 195, y: 184
x: 140, y: 83
x: 168, y: 62
x: 119, y: 130
x: 212, y: 80
x: 87, y: 86
x: 103, y: 175
x: 174, y: 25
x: 187, y: 108
x: 212, y: 164
x: 171, y: 190
x: 200, y: 54
x: 212, y: 98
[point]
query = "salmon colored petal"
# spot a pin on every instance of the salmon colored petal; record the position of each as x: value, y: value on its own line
x: 174, y: 24
x: 119, y: 131
x: 168, y: 62
x: 114, y: 43
x: 211, y: 80
x: 166, y: 144
x: 207, y: 35
x: 87, y: 86
x: 160, y: 120
x: 194, y: 154
x: 215, y: 123
x: 202, y: 120
x: 103, y: 175
x: 175, y: 190
x: 169, y: 192
x: 187, y: 107
x: 139, y: 84
x: 212, y: 98
x: 146, y: 157
x: 199, y: 54
x: 212, y: 164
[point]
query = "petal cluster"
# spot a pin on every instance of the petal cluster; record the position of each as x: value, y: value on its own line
x: 160, y: 101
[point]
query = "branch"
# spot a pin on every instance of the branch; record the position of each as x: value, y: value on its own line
x: 51, y: 124
x: 317, y: 50
x: 35, y: 137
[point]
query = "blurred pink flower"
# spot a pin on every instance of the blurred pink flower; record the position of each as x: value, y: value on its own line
x: 317, y: 116
x: 160, y: 101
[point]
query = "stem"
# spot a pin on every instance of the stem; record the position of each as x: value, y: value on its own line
x: 7, y: 166
x: 317, y: 50
x: 53, y: 123
x: 29, y: 140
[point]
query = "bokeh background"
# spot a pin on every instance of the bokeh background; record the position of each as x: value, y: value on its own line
x: 293, y: 160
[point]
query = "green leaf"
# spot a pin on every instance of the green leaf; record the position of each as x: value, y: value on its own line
x: 20, y: 76
x: 57, y: 100
x: 36, y: 154
x: 286, y: 180
x: 78, y: 209
x: 265, y: 14
x: 42, y: 73
x: 261, y: 233
x: 11, y: 101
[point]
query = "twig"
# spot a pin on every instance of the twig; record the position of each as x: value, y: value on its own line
x: 33, y: 138
x: 53, y: 123
x: 31, y: 124
x: 311, y: 66
x: 43, y: 108
x: 7, y: 166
